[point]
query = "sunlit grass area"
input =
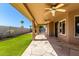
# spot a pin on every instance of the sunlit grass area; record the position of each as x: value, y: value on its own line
x: 15, y: 46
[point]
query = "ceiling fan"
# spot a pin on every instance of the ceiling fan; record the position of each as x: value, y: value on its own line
x: 55, y: 8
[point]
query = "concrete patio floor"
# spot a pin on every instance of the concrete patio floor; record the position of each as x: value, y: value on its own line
x: 49, y: 46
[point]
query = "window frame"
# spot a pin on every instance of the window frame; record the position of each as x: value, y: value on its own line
x: 60, y: 33
x: 74, y: 27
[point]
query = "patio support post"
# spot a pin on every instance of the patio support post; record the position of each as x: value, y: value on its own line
x: 37, y: 29
x: 33, y: 30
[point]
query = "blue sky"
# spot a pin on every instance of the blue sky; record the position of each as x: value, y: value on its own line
x: 9, y: 16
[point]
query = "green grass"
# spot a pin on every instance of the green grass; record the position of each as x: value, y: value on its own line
x: 15, y: 46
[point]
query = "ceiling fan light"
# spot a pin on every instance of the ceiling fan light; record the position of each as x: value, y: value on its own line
x: 53, y: 12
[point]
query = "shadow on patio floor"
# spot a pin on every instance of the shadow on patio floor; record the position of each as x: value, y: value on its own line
x: 62, y: 48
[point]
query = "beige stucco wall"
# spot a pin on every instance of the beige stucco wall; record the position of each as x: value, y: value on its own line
x: 69, y: 28
x: 64, y: 37
x: 50, y: 29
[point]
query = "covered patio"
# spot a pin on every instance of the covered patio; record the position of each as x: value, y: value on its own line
x: 50, y: 46
x: 56, y: 40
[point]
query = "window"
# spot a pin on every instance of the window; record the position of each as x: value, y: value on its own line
x: 62, y: 27
x: 77, y: 26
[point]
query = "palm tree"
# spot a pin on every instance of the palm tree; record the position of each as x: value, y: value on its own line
x: 30, y: 27
x: 22, y: 22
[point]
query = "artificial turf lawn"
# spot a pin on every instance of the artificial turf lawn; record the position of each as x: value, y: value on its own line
x: 15, y: 46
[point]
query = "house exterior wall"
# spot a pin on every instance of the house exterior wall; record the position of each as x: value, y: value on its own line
x: 61, y: 36
x: 50, y: 29
x: 71, y: 28
x: 64, y: 37
x: 69, y: 37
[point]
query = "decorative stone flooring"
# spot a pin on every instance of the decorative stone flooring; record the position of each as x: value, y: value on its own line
x: 42, y: 46
x: 37, y: 49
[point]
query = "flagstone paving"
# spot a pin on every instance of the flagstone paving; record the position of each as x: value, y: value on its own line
x: 42, y: 46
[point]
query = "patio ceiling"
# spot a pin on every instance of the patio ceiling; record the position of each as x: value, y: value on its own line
x: 36, y: 11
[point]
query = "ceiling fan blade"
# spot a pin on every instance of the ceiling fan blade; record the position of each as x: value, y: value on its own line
x: 59, y: 5
x: 48, y: 9
x: 61, y: 10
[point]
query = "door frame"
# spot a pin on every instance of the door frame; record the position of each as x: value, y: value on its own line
x: 56, y: 29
